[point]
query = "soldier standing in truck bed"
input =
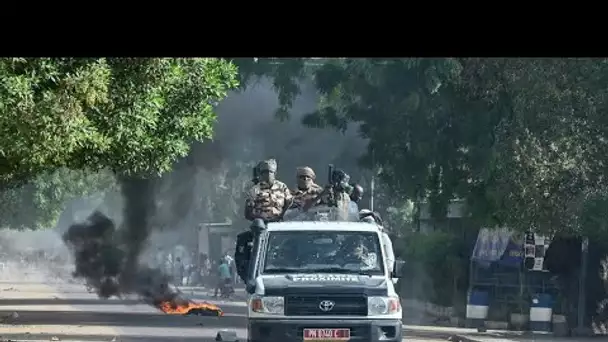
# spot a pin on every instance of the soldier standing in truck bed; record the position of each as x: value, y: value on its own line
x: 307, y: 190
x: 269, y: 198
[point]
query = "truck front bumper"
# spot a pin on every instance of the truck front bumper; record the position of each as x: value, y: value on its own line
x: 292, y: 330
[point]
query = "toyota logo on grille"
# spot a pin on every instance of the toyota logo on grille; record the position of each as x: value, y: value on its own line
x: 326, y: 305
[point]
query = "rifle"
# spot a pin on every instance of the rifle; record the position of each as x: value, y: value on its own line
x: 256, y: 175
x: 337, y: 183
x: 330, y: 188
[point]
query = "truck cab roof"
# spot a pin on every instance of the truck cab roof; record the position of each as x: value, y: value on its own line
x: 322, y: 225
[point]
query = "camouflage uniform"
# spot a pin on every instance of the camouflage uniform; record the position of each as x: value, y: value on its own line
x: 268, y: 200
x: 333, y: 197
x: 302, y: 196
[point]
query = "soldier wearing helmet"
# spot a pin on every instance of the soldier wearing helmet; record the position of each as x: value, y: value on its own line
x: 266, y: 199
x: 357, y: 194
x: 307, y: 190
x: 269, y: 198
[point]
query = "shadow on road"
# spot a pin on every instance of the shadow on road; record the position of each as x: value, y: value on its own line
x: 84, y: 338
x: 119, y: 319
x: 7, y: 302
x: 434, y: 335
x: 61, y: 301
x: 37, y: 282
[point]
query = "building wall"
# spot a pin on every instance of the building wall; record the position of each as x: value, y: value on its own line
x: 215, y: 239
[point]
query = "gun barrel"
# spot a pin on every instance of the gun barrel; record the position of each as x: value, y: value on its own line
x: 255, y: 173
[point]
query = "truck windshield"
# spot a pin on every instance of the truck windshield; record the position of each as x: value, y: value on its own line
x: 323, y: 252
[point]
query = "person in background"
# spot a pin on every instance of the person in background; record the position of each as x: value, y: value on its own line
x: 225, y: 279
x: 207, y: 273
x: 192, y: 271
x: 357, y: 193
x: 178, y: 271
x: 231, y: 265
x: 306, y: 190
x: 201, y: 268
x: 168, y: 262
x: 159, y: 258
x: 229, y: 259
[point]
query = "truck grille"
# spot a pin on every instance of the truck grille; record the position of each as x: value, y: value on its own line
x: 309, y: 305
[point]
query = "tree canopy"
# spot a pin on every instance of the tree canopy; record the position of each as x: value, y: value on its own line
x: 522, y: 140
x: 132, y: 116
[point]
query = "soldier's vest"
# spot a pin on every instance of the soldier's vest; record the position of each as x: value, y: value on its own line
x: 268, y: 202
x: 300, y: 197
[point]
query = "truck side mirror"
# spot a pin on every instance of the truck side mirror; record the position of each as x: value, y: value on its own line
x: 398, y: 269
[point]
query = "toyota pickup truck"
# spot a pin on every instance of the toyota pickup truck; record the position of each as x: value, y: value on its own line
x: 321, y: 281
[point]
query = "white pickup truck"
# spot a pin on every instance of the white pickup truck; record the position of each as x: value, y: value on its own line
x: 321, y: 280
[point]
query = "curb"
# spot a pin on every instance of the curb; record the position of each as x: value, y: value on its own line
x: 439, y: 335
x: 460, y: 338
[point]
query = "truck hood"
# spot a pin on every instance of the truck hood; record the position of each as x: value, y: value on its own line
x: 294, y: 284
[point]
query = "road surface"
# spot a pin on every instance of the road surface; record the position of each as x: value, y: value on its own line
x: 38, y: 307
x: 68, y: 312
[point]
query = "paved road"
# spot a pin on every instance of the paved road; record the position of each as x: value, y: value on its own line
x: 70, y: 313
x: 49, y: 309
x: 62, y: 312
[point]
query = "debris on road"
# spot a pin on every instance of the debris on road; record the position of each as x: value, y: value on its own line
x: 10, y: 318
x: 458, y: 338
x: 226, y: 336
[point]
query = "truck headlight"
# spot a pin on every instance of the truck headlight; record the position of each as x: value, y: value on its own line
x: 268, y: 305
x: 382, y: 305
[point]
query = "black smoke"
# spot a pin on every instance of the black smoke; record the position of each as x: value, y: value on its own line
x: 107, y: 257
x: 246, y: 131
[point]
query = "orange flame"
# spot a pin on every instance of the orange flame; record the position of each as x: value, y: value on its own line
x: 190, y: 308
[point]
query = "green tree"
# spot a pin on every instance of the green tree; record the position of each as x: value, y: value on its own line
x: 437, y: 267
x: 549, y: 139
x: 403, y: 108
x: 38, y: 204
x: 522, y: 140
x: 133, y: 116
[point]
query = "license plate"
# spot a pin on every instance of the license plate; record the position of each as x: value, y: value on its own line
x: 326, y: 335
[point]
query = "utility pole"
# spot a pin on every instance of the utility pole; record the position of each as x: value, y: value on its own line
x: 372, y: 185
x: 581, y: 329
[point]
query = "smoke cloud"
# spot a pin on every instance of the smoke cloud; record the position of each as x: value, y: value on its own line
x: 33, y: 256
x: 108, y: 258
x: 248, y: 130
x: 110, y: 248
